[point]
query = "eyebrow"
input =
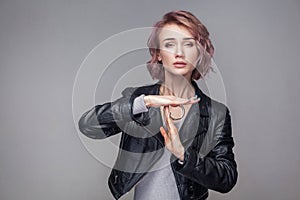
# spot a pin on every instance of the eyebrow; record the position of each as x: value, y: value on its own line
x: 190, y: 38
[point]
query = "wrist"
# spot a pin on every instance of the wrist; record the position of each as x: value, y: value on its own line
x: 181, y: 158
x: 181, y: 155
x: 147, y: 100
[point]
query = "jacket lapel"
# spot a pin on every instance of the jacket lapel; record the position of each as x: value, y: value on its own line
x: 195, y: 122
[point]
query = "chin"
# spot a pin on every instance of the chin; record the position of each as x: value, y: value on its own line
x: 181, y: 72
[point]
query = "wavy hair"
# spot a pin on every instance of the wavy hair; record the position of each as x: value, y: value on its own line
x: 198, y: 31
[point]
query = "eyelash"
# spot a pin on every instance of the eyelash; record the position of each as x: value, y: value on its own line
x: 169, y: 45
x: 189, y: 44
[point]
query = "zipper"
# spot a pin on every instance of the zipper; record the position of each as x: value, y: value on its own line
x: 203, y: 195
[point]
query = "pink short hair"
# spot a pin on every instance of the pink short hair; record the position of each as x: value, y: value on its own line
x: 200, y: 34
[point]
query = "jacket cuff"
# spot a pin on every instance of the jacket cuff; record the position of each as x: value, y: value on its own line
x: 141, y: 118
x: 139, y: 105
x: 187, y: 165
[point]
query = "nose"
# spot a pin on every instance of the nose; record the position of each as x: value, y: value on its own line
x: 179, y: 51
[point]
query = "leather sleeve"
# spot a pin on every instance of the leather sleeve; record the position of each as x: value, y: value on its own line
x: 110, y: 118
x: 217, y: 170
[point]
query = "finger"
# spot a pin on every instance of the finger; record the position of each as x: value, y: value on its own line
x: 167, y: 116
x: 164, y: 133
x: 180, y: 101
x: 167, y: 100
x: 193, y: 100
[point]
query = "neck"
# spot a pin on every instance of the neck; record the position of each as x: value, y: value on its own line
x: 179, y: 86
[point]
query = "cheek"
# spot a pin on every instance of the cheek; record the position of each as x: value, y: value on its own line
x: 166, y: 55
x: 193, y: 56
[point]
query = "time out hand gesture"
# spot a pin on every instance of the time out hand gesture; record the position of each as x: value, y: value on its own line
x: 171, y: 136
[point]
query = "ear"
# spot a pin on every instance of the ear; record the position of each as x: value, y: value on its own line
x: 158, y: 57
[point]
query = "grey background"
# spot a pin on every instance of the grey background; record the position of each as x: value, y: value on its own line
x: 43, y: 43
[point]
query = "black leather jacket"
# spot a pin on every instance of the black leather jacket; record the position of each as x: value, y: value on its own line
x: 205, y: 133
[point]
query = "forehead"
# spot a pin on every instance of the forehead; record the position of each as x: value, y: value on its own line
x: 174, y: 31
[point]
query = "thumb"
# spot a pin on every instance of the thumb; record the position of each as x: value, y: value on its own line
x: 164, y: 133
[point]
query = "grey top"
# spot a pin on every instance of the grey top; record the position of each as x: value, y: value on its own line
x: 160, y: 183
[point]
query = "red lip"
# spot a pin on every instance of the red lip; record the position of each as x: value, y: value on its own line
x: 179, y: 63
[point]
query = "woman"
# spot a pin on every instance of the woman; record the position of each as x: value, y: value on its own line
x: 176, y: 142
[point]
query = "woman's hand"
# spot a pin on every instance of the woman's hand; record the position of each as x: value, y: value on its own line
x: 171, y: 136
x: 159, y: 100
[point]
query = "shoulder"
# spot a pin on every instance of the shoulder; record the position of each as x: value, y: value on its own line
x: 218, y: 108
x: 210, y: 106
x: 221, y: 118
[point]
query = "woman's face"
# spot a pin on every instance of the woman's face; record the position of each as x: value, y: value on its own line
x: 178, y: 51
